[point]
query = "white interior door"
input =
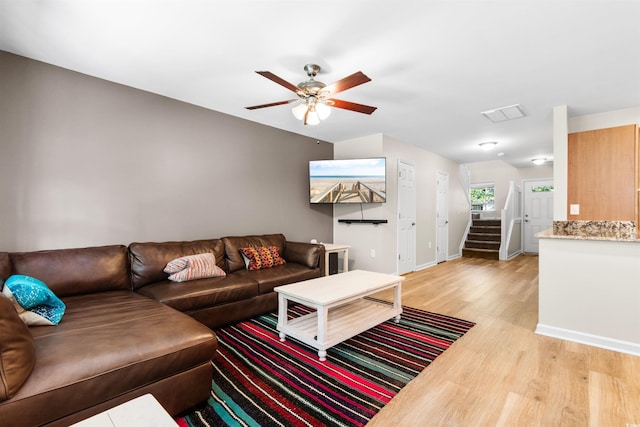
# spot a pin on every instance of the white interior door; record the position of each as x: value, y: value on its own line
x: 538, y: 211
x: 406, y: 218
x: 442, y: 217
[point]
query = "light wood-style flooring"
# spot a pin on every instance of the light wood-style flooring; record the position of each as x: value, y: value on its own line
x: 501, y: 373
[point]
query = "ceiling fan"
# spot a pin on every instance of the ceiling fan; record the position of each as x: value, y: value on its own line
x: 314, y: 96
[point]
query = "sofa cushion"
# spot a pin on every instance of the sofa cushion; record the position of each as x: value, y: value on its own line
x: 109, y: 344
x: 76, y: 271
x: 259, y: 257
x: 201, y: 293
x: 17, y: 350
x: 193, y: 267
x: 233, y: 244
x: 149, y: 259
x: 269, y: 278
x: 35, y: 302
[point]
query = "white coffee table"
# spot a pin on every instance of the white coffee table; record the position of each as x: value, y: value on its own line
x: 341, y: 309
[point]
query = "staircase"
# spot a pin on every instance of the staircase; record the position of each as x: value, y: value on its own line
x: 483, y: 240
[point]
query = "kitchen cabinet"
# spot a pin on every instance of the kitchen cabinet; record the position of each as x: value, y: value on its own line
x: 603, y: 174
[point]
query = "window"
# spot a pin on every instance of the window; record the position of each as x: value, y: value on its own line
x: 542, y: 189
x: 482, y: 198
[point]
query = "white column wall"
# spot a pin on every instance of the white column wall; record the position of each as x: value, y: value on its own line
x: 589, y: 292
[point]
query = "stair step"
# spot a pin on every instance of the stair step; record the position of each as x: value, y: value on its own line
x: 487, y: 222
x: 485, y: 229
x: 484, y: 237
x: 480, y: 253
x: 481, y: 244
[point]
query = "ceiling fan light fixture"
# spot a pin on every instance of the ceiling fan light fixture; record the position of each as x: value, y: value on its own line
x: 312, y: 117
x: 299, y: 110
x: 323, y: 110
x: 489, y: 145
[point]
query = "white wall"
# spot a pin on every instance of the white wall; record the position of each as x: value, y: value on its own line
x: 608, y: 119
x: 383, y: 238
x: 589, y: 293
x: 366, y: 237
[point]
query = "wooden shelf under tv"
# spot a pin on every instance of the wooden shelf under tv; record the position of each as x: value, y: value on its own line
x: 364, y: 221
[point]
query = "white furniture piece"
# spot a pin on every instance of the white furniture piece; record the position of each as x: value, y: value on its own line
x: 333, y: 248
x: 341, y: 309
x: 143, y: 411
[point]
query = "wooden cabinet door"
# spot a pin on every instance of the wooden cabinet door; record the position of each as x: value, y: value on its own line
x: 602, y: 174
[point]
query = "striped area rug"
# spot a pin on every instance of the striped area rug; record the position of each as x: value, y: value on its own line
x: 260, y: 381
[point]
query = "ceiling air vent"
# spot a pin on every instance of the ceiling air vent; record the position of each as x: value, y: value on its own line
x: 503, y: 114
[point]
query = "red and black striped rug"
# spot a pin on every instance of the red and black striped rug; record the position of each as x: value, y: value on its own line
x: 260, y: 381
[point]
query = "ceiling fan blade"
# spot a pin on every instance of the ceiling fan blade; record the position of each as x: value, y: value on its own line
x: 346, y: 105
x: 348, y: 82
x: 272, y: 104
x: 280, y: 81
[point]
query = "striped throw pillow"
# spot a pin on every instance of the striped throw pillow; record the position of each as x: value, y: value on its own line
x: 193, y: 267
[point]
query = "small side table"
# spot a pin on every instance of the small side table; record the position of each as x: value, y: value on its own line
x: 332, y: 248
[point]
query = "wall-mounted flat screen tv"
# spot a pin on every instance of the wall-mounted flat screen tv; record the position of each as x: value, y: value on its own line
x: 348, y: 181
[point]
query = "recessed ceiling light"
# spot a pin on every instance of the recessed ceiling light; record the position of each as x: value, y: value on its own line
x: 539, y: 161
x: 502, y: 114
x: 489, y: 145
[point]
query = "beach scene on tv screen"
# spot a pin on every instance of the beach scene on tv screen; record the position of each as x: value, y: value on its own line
x: 347, y: 181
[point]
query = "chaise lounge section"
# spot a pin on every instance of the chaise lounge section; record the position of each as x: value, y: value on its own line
x: 112, y: 344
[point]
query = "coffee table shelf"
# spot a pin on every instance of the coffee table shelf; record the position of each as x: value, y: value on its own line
x: 344, y: 322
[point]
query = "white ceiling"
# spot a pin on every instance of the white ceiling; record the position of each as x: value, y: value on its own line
x: 435, y: 65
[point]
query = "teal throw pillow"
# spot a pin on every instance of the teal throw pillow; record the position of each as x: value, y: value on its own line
x: 36, y: 303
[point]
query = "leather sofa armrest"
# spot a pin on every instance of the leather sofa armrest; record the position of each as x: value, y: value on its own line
x: 308, y: 254
x: 17, y: 350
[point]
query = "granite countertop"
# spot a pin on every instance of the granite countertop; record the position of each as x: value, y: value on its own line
x: 620, y: 231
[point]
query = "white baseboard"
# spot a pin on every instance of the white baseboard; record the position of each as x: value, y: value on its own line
x: 513, y: 255
x: 455, y: 256
x: 425, y: 266
x: 589, y: 339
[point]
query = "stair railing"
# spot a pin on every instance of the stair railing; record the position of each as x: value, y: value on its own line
x: 465, y: 177
x: 511, y: 223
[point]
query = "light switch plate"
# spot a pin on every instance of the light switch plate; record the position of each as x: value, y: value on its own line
x: 574, y: 209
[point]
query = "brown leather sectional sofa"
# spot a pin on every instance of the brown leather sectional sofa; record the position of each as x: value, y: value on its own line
x: 125, y: 332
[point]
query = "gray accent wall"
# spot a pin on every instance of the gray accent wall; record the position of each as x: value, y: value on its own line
x: 85, y: 162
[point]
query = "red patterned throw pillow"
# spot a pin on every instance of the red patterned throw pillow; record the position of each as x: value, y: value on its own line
x: 261, y: 257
